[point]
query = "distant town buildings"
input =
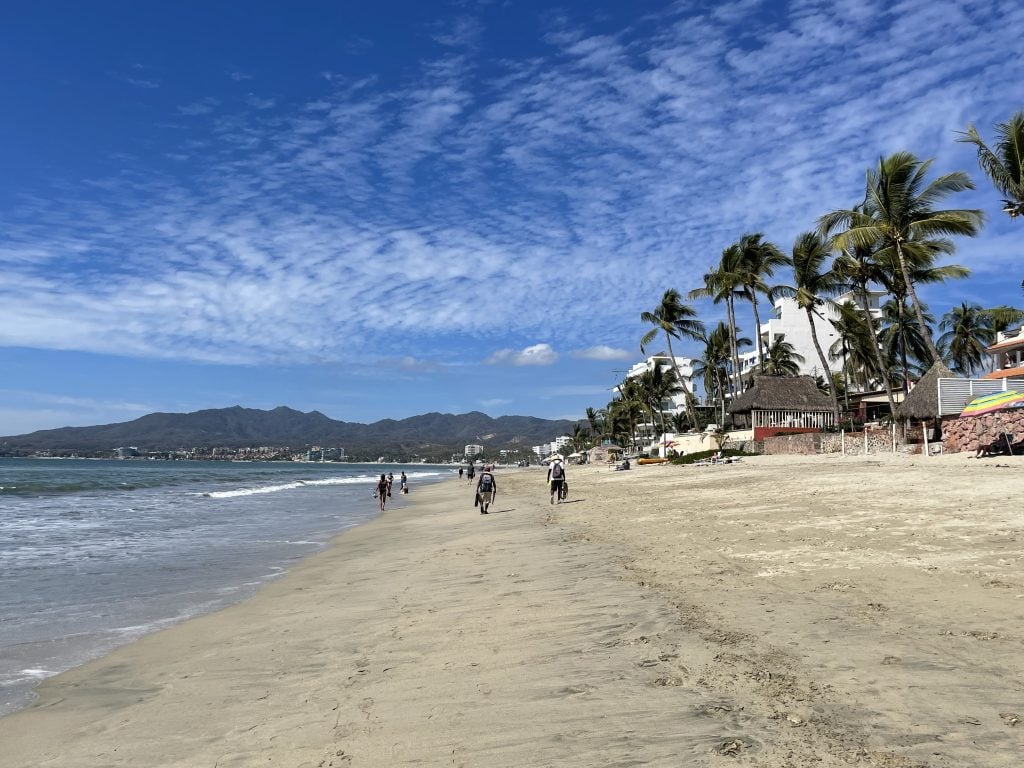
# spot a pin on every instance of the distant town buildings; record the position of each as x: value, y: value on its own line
x: 546, y: 449
x: 473, y: 450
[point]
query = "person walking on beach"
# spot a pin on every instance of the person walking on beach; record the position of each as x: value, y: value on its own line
x: 382, y: 491
x: 403, y: 483
x: 486, y: 489
x: 460, y: 471
x: 391, y: 479
x: 556, y: 479
x: 471, y: 473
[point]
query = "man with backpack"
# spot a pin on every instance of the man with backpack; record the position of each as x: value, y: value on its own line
x: 556, y: 479
x: 486, y: 489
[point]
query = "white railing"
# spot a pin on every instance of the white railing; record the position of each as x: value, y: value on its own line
x: 784, y: 418
x: 954, y: 394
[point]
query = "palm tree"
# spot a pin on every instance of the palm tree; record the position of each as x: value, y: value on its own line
x: 862, y: 359
x: 580, y: 437
x: 1005, y: 165
x: 722, y: 285
x: 758, y: 260
x: 713, y: 365
x: 680, y: 422
x: 898, y: 214
x: 857, y: 265
x: 677, y: 321
x: 628, y: 408
x: 813, y: 285
x: 782, y: 359
x: 597, y: 420
x: 902, y: 339
x: 968, y: 333
x: 658, y: 385
x: 854, y: 340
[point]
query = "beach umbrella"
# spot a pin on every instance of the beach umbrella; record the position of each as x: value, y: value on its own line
x: 997, y: 401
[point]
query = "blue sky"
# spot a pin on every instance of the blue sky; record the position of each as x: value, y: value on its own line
x: 383, y: 209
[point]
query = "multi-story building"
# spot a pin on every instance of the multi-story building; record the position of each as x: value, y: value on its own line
x: 473, y: 450
x: 1007, y: 355
x: 789, y: 323
x: 676, y: 403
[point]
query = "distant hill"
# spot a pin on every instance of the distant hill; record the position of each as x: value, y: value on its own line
x: 430, y: 434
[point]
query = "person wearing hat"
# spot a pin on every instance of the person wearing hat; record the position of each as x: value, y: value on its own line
x: 556, y: 479
x: 486, y: 489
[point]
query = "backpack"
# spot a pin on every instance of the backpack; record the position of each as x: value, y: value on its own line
x: 556, y: 472
x: 485, y: 482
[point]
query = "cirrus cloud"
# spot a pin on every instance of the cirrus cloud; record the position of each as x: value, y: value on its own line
x: 538, y: 354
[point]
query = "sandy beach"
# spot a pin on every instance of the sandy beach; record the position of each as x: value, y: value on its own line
x: 780, y: 612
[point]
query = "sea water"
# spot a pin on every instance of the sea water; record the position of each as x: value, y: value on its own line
x: 96, y: 553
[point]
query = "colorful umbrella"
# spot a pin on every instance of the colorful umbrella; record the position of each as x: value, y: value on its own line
x: 998, y: 401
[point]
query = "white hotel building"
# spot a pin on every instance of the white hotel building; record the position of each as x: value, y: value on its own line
x: 676, y: 403
x: 789, y: 323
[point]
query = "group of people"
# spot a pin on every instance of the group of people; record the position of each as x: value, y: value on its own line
x: 486, y: 489
x: 382, y: 491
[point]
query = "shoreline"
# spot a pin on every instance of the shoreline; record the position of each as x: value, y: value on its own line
x: 783, y: 611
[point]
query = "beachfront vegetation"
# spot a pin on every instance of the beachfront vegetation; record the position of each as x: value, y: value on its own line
x: 891, y: 242
x: 1005, y: 164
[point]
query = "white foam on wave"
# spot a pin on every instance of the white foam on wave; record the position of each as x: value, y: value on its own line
x: 27, y: 675
x: 289, y: 486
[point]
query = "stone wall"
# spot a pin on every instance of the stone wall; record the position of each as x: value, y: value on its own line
x: 807, y: 443
x: 966, y: 434
x: 879, y: 441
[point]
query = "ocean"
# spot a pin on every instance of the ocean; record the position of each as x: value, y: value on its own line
x: 94, y: 554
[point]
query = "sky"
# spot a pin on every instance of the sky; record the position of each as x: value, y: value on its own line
x: 378, y: 210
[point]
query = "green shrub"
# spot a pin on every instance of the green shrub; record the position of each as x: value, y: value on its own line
x: 690, y: 458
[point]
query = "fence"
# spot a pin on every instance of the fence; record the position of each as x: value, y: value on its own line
x: 954, y: 394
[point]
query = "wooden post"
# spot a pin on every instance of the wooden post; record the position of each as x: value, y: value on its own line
x: 924, y: 434
x: 894, y: 438
x: 842, y: 436
x: 865, y: 439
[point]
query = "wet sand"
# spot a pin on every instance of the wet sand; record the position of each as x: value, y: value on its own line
x: 782, y: 611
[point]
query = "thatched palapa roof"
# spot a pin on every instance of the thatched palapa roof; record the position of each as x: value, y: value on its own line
x: 782, y: 393
x: 923, y: 400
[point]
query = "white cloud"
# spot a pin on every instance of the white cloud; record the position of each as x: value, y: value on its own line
x: 602, y: 352
x: 450, y: 210
x: 538, y: 354
x: 142, y: 83
x: 494, y: 402
x: 201, y: 107
x: 257, y: 103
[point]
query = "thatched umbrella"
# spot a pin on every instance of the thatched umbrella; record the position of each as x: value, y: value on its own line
x: 782, y: 393
x: 923, y: 401
x: 784, y: 402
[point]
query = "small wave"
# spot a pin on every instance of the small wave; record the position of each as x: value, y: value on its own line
x: 288, y: 486
x: 26, y: 675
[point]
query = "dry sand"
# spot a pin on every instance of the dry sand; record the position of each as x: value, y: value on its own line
x: 781, y: 611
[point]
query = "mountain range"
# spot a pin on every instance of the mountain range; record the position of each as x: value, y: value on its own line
x: 428, y: 435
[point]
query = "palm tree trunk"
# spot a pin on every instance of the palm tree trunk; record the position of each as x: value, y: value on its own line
x: 925, y: 330
x: 824, y: 366
x: 903, y: 347
x: 846, y: 380
x: 757, y: 332
x: 733, y: 347
x: 878, y: 351
x: 688, y: 395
